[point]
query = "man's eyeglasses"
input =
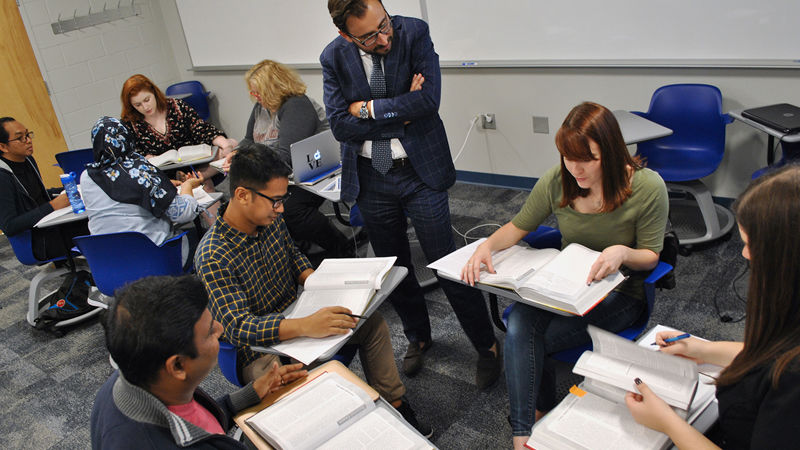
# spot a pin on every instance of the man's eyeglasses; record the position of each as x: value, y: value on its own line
x: 276, y: 202
x: 372, y: 38
x: 24, y: 138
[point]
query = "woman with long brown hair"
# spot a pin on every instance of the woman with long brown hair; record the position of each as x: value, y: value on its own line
x: 759, y: 389
x: 605, y: 200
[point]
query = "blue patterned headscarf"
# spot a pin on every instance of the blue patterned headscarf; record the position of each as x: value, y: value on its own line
x: 125, y: 175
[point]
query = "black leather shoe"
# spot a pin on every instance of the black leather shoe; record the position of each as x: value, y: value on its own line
x: 412, y: 362
x: 489, y: 368
x: 405, y: 410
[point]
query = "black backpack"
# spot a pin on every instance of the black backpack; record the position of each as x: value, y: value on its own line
x: 68, y: 302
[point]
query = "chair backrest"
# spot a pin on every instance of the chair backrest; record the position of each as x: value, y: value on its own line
x: 544, y: 237
x: 694, y: 114
x: 198, y: 98
x: 116, y: 259
x: 21, y: 243
x: 228, y: 363
x: 75, y: 160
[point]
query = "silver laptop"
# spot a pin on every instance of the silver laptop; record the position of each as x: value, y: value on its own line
x: 315, y: 158
x: 782, y: 117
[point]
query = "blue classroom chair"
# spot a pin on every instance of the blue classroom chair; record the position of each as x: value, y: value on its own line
x: 694, y: 150
x: 75, y: 161
x: 198, y: 98
x: 21, y: 243
x: 116, y: 259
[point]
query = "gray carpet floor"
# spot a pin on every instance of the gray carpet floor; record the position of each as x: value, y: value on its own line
x: 47, y: 384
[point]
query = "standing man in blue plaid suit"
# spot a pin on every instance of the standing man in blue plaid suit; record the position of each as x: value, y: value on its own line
x: 382, y: 86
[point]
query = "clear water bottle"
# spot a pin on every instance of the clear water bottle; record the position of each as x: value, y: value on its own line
x: 71, y: 186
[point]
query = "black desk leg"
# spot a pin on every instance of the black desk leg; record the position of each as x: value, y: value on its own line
x: 770, y: 149
x: 494, y: 309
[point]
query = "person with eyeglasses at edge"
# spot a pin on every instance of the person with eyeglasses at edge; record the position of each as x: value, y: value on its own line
x: 251, y: 270
x: 24, y: 200
x: 382, y: 87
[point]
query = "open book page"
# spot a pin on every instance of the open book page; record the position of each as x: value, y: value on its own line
x: 217, y: 164
x: 617, y: 361
x: 308, y: 349
x: 707, y: 369
x: 310, y: 302
x: 186, y: 153
x: 450, y: 265
x: 169, y: 156
x: 564, y: 277
x: 516, y: 264
x: 201, y: 195
x: 350, y: 273
x: 513, y: 265
x: 194, y: 152
x: 592, y: 422
x: 313, y: 414
x: 378, y: 429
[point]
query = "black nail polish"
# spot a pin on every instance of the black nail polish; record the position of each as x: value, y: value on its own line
x: 637, y: 380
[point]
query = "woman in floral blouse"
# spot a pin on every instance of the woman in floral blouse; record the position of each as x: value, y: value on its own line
x: 160, y: 123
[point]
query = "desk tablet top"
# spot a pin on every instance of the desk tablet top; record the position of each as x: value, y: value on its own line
x: 330, y: 366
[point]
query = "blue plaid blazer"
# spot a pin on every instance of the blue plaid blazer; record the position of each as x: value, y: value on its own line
x: 424, y: 138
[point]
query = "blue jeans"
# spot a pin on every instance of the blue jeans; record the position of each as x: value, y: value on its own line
x: 534, y: 333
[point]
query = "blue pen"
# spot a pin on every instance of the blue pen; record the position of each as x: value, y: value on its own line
x: 675, y: 338
x: 194, y: 171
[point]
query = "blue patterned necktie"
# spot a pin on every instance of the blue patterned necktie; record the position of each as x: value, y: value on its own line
x: 381, y: 149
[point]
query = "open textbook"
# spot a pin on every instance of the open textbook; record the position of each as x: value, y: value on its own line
x: 184, y: 154
x: 330, y: 412
x: 594, y: 415
x: 348, y: 282
x: 549, y: 277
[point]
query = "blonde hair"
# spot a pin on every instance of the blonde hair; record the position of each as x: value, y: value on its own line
x: 274, y: 83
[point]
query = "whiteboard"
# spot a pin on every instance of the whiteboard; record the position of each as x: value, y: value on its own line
x: 587, y: 32
x: 240, y: 33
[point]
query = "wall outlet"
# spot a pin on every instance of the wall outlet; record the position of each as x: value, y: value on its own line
x: 540, y: 125
x: 488, y: 121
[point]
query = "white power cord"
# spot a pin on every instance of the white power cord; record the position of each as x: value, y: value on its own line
x: 464, y: 145
x: 466, y: 235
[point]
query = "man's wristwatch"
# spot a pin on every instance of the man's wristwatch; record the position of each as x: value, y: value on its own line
x: 363, y: 113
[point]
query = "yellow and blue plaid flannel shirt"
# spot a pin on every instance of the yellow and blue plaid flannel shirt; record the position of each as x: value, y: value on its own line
x: 250, y: 281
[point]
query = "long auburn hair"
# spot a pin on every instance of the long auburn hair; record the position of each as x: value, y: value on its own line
x: 133, y: 86
x: 590, y: 121
x: 274, y: 83
x: 769, y: 213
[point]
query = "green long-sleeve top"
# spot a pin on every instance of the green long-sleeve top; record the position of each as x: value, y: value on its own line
x: 639, y: 223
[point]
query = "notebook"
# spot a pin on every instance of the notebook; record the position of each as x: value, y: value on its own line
x: 782, y: 117
x: 315, y: 158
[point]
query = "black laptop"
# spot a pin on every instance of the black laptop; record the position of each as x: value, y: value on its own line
x: 782, y: 117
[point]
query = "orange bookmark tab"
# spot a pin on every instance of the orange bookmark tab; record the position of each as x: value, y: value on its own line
x: 575, y: 390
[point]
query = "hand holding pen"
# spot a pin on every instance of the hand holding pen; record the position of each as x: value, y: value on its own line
x: 680, y: 344
x: 674, y: 339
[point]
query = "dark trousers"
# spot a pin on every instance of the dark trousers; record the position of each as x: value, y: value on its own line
x: 385, y: 201
x: 55, y: 242
x: 306, y: 223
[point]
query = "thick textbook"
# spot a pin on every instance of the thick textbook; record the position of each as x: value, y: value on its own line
x: 548, y: 277
x: 185, y: 154
x: 594, y: 415
x: 348, y: 282
x: 330, y: 412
